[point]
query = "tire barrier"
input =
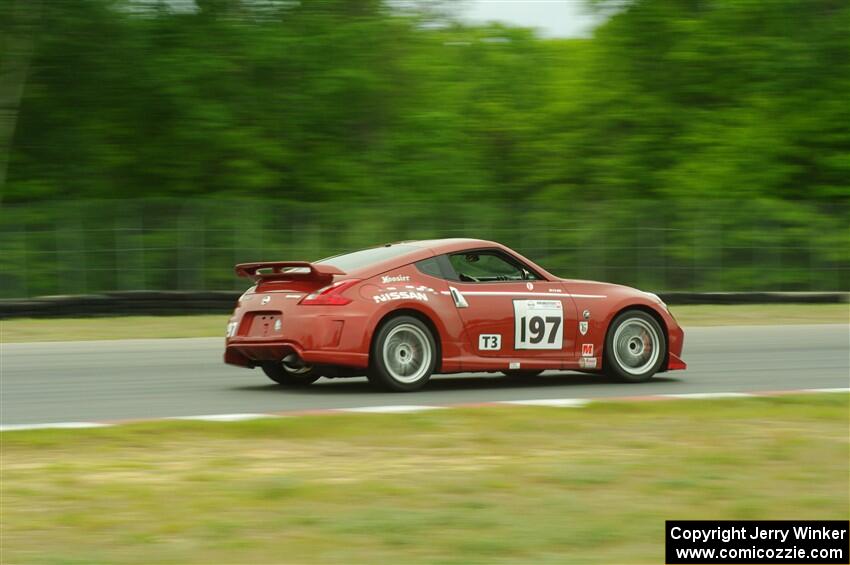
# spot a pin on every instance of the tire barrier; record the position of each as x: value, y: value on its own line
x: 159, y: 303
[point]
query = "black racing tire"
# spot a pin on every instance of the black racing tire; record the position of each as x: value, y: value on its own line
x: 635, y: 347
x: 279, y: 374
x: 520, y: 374
x: 403, y: 355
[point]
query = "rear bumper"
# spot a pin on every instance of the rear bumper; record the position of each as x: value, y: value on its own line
x: 250, y: 354
x: 323, y: 337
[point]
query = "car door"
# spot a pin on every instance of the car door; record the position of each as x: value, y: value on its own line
x: 508, y: 309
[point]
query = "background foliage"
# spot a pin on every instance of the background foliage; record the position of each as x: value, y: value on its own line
x: 686, y: 145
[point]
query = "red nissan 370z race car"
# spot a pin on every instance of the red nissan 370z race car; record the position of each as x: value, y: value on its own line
x: 401, y: 312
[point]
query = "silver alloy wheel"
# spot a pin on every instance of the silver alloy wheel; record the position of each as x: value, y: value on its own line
x: 407, y: 353
x: 636, y: 346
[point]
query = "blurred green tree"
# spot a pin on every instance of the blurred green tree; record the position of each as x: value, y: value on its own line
x: 727, y: 121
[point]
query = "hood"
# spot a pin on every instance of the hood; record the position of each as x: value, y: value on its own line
x: 579, y: 286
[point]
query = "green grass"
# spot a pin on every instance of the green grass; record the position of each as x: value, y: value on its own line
x: 124, y: 327
x: 139, y: 327
x: 476, y: 485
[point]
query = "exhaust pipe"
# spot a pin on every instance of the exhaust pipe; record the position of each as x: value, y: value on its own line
x: 295, y: 365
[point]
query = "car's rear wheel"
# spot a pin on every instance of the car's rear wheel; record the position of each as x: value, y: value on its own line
x: 519, y: 374
x: 403, y: 356
x: 635, y: 347
x: 290, y: 372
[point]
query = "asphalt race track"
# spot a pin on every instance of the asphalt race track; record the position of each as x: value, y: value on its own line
x: 136, y: 379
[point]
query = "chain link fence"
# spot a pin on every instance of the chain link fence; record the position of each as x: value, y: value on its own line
x: 84, y: 247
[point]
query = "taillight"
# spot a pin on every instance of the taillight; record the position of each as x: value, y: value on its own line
x: 330, y: 295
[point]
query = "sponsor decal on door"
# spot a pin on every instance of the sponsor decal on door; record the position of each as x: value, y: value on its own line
x: 538, y: 324
x: 587, y: 362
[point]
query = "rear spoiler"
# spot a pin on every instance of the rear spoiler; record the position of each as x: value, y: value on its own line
x: 286, y: 270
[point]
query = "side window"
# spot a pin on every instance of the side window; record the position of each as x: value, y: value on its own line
x: 430, y: 267
x: 487, y: 266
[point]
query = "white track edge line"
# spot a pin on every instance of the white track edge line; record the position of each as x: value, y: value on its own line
x: 707, y: 395
x: 555, y: 402
x: 411, y: 408
x: 54, y: 425
x: 391, y: 409
x: 225, y: 417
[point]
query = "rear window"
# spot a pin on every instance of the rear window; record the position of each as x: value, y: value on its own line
x: 365, y: 257
x: 430, y: 267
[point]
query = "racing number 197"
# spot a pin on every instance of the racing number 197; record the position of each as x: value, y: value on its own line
x: 538, y: 324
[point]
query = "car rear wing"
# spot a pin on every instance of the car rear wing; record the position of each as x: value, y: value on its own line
x: 286, y: 270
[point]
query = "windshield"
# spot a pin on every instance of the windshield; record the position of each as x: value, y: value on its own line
x: 364, y: 257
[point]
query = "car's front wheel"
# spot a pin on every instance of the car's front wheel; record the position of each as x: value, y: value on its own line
x: 403, y: 356
x: 635, y: 347
x: 290, y: 372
